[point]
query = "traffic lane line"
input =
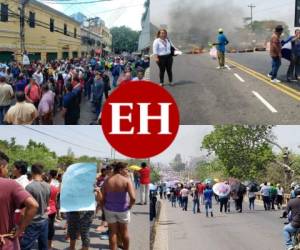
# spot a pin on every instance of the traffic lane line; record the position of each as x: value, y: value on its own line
x: 238, y: 77
x: 281, y: 87
x: 265, y: 102
x: 226, y: 66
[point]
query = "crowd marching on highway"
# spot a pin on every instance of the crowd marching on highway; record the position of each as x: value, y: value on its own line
x: 32, y: 93
x: 229, y: 196
x: 30, y: 204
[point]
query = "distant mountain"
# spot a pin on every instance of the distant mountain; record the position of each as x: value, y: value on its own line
x: 79, y: 17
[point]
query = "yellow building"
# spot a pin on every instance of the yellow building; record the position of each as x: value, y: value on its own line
x: 49, y: 34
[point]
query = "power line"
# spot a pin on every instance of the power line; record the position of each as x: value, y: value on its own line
x: 61, y: 140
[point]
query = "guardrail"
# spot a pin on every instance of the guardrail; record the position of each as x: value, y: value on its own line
x: 286, y: 198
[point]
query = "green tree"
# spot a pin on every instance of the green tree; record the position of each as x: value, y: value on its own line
x: 243, y: 150
x: 155, y: 175
x: 214, y: 170
x: 124, y: 39
x: 177, y: 164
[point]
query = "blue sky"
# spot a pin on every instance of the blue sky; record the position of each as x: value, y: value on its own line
x: 187, y: 142
x: 114, y: 12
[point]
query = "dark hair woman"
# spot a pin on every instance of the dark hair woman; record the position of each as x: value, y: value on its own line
x: 162, y: 50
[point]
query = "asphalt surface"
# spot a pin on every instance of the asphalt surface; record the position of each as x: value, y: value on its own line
x: 234, y: 95
x: 250, y: 230
x: 139, y: 231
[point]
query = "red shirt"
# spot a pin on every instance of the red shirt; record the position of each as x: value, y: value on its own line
x: 34, y: 93
x: 12, y: 197
x: 145, y: 175
x: 52, y: 201
x: 201, y: 188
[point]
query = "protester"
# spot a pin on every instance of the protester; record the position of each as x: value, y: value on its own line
x: 221, y: 43
x: 116, y: 71
x: 275, y: 53
x: 38, y: 228
x: 273, y: 195
x: 207, y: 195
x: 144, y: 183
x: 20, y: 173
x: 6, y: 96
x: 98, y: 91
x: 13, y: 196
x: 116, y: 208
x: 140, y: 75
x: 196, y: 205
x: 251, y: 197
x: 265, y: 192
x: 279, y: 198
x: 70, y: 106
x: 184, y: 193
x: 33, y: 92
x: 54, y: 190
x: 294, y: 67
x: 46, y: 106
x: 22, y: 113
x: 162, y: 50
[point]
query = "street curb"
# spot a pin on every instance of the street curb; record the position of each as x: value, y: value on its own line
x: 154, y: 226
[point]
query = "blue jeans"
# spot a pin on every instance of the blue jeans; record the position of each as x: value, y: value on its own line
x: 288, y: 231
x: 196, y: 208
x: 3, y: 110
x: 184, y: 203
x: 173, y: 202
x: 276, y: 62
x: 35, y: 231
x: 208, y: 205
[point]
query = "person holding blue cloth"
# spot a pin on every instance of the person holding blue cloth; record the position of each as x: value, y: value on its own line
x: 221, y: 43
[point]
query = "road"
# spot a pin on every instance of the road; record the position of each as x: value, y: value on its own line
x: 239, y: 94
x: 250, y: 230
x: 139, y: 231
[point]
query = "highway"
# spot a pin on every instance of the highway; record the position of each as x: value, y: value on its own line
x: 250, y: 230
x: 239, y: 94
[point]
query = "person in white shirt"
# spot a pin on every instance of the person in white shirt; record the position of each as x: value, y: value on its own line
x: 279, y: 197
x: 20, y: 173
x: 184, y: 193
x: 162, y: 50
x: 38, y: 76
x: 140, y: 75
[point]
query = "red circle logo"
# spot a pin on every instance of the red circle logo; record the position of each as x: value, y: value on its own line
x: 140, y: 119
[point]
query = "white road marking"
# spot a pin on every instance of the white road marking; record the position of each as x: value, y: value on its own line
x: 265, y: 102
x: 226, y: 66
x: 238, y: 77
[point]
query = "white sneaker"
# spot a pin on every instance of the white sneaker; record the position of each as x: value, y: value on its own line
x: 275, y: 81
x: 161, y: 84
x: 172, y: 84
x: 218, y: 67
x: 290, y: 248
x: 268, y: 75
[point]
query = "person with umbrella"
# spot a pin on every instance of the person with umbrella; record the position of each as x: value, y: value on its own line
x: 222, y: 190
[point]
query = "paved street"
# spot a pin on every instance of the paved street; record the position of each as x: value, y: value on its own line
x: 139, y: 230
x: 251, y: 230
x: 237, y: 94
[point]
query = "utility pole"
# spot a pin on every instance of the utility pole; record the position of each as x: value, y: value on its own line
x: 22, y: 24
x: 251, y: 6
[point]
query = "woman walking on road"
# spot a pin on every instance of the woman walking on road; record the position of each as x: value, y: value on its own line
x: 162, y: 50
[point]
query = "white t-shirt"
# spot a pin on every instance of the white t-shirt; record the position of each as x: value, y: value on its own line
x: 161, y: 47
x: 184, y: 192
x: 280, y: 191
x: 23, y: 180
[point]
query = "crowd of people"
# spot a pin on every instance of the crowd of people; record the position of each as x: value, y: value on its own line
x: 30, y: 206
x: 34, y: 93
x: 202, y: 194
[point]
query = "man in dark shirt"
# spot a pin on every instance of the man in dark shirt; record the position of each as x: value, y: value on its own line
x: 38, y: 228
x: 12, y: 197
x: 71, y: 108
x: 293, y: 206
